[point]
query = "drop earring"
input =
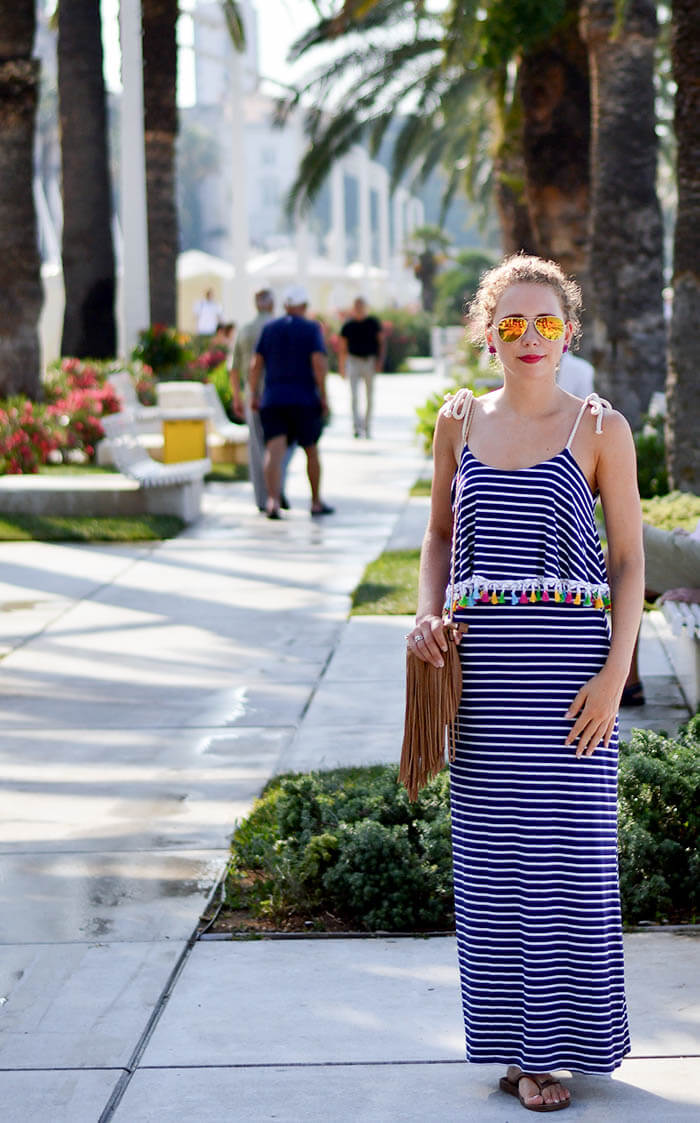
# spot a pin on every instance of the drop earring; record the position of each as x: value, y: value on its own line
x: 492, y: 350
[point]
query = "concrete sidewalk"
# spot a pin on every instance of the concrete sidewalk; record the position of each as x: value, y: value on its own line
x: 147, y: 694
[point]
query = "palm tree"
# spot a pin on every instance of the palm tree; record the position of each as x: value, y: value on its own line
x: 425, y: 253
x: 458, y: 72
x: 20, y: 267
x: 89, y: 327
x: 626, y: 251
x: 159, y: 20
x: 683, y: 448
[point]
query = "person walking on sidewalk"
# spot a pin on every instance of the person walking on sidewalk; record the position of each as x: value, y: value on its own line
x: 243, y: 351
x: 533, y: 782
x: 293, y: 407
x: 360, y: 356
x: 208, y: 313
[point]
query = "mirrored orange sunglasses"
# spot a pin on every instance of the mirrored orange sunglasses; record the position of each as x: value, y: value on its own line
x: 511, y: 328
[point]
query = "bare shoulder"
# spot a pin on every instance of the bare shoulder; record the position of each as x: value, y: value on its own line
x: 616, y: 429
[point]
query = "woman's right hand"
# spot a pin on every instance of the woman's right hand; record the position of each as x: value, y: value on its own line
x: 428, y: 640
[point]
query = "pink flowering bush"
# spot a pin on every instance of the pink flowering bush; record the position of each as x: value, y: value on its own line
x: 78, y: 414
x: 28, y: 434
x: 205, y: 363
x: 67, y: 425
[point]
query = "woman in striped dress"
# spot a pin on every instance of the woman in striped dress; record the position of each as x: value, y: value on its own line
x: 534, y: 780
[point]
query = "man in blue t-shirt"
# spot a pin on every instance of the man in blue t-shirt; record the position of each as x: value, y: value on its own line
x: 293, y: 406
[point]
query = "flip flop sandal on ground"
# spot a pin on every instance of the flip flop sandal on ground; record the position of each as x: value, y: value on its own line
x: 513, y: 1089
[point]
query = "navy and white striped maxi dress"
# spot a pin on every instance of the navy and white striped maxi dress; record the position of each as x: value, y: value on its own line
x: 534, y: 829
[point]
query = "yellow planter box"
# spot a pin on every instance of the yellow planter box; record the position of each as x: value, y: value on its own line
x: 184, y: 439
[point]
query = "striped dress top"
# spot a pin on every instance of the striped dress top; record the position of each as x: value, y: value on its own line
x: 534, y: 829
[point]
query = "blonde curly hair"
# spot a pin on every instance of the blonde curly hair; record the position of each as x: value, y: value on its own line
x: 519, y: 269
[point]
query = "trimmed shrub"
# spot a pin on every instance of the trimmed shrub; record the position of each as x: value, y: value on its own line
x: 677, y: 509
x: 348, y: 843
x: 659, y: 824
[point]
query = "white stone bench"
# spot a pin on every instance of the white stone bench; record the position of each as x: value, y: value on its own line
x: 685, y: 653
x: 146, y: 419
x: 226, y: 441
x: 143, y: 487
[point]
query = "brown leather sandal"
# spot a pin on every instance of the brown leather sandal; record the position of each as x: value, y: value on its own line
x: 513, y: 1089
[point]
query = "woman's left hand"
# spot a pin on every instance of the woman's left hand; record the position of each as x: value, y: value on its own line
x: 595, y: 709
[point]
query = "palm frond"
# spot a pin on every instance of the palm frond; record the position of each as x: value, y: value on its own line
x: 233, y: 14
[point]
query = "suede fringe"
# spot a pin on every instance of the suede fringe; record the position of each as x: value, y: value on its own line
x: 431, y: 721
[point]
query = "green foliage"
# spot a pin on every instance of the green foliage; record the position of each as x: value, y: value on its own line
x: 510, y: 28
x: 659, y: 802
x: 651, y: 458
x: 221, y: 379
x: 165, y: 350
x: 348, y: 842
x: 677, y: 509
x: 427, y: 413
x: 389, y: 585
x: 456, y: 285
x: 407, y: 335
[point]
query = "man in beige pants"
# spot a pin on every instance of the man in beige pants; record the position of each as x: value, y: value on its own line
x: 361, y: 352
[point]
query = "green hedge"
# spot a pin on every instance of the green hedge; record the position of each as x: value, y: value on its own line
x: 348, y: 842
x: 677, y: 509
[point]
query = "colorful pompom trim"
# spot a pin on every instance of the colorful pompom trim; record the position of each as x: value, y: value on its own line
x: 479, y: 590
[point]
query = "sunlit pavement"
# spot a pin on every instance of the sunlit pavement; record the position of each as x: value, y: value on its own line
x: 147, y: 694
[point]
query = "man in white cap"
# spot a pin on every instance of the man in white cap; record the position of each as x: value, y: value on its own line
x: 246, y: 341
x: 292, y: 356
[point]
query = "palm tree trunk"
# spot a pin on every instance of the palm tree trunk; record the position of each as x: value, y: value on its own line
x: 626, y: 254
x: 89, y: 328
x: 509, y: 180
x: 160, y: 114
x: 682, y: 444
x: 20, y: 266
x: 553, y: 88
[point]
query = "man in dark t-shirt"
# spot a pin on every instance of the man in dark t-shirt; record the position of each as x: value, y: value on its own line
x: 293, y: 407
x: 360, y: 356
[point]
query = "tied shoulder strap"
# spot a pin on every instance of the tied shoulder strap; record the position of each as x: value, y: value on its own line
x: 597, y: 407
x: 460, y: 406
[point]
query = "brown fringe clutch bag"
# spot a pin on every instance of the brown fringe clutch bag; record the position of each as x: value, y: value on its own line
x: 431, y: 721
x: 433, y: 693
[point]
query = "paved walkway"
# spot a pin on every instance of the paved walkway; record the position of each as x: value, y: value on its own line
x: 147, y: 694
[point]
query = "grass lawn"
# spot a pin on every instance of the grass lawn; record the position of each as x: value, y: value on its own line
x: 227, y: 473
x: 55, y: 528
x: 389, y: 585
x: 421, y: 487
x: 75, y: 470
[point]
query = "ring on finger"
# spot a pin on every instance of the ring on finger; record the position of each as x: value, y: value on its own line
x: 420, y: 639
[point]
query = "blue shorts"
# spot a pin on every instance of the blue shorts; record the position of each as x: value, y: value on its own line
x: 299, y: 424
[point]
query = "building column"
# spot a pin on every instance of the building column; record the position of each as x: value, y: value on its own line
x: 135, y: 296
x: 382, y: 186
x: 338, y: 245
x: 365, y: 209
x: 240, y: 247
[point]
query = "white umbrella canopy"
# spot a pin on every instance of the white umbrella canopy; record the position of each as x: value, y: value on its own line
x: 196, y: 272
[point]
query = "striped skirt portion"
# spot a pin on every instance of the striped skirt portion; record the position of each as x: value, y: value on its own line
x: 534, y: 834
